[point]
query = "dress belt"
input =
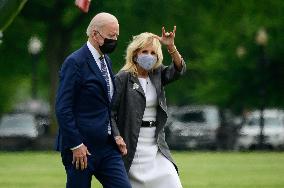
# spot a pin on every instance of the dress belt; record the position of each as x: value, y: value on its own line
x: 148, y: 124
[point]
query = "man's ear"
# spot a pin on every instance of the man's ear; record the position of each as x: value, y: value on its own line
x: 95, y: 35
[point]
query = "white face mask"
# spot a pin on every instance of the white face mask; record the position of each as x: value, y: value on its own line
x: 146, y: 61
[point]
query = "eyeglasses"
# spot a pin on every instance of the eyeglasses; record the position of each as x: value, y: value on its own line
x: 115, y: 36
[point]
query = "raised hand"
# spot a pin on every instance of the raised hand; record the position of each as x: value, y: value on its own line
x: 167, y: 38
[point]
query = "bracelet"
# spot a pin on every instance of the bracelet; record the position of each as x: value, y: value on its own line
x: 172, y: 52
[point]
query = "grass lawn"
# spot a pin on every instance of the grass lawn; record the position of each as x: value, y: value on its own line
x: 197, y: 170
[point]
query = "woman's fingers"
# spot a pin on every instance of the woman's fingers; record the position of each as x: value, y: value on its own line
x: 168, y: 34
x: 163, y: 31
x: 175, y: 28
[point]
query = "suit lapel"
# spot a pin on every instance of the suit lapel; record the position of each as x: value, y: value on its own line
x: 96, y: 70
x: 136, y: 85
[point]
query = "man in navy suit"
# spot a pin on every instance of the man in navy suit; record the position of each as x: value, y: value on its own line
x: 89, y: 144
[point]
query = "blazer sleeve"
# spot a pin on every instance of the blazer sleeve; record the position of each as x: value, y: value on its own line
x: 171, y: 73
x: 69, y: 83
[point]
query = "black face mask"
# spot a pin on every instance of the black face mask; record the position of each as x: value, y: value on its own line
x: 108, y: 46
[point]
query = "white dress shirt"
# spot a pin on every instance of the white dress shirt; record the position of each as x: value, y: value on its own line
x: 97, y: 56
x: 149, y: 89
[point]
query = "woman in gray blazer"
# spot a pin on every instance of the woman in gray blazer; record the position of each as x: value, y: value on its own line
x: 139, y: 110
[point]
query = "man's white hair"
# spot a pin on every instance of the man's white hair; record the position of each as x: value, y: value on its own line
x: 99, y: 21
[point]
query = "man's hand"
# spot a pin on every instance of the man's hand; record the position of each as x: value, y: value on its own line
x: 80, y: 157
x: 121, y: 145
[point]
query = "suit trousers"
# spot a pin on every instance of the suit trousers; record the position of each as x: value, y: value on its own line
x: 105, y: 164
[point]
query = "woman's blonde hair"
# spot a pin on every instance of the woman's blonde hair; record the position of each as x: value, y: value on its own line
x: 138, y: 42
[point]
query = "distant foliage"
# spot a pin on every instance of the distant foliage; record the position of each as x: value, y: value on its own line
x: 216, y: 38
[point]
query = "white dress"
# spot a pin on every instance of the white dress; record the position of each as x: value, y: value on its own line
x: 150, y: 168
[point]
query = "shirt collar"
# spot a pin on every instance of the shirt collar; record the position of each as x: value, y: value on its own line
x: 96, y: 55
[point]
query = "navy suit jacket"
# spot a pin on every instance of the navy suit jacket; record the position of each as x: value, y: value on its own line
x: 82, y: 104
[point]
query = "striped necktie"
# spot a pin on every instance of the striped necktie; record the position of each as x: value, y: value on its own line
x: 105, y: 75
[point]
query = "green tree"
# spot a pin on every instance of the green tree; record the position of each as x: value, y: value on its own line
x: 8, y: 10
x: 208, y: 34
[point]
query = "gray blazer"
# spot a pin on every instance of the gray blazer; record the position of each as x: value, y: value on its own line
x: 129, y: 104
